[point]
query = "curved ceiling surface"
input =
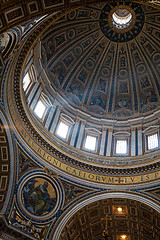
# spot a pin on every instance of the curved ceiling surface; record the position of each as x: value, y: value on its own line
x: 137, y: 221
x: 111, y: 76
x: 100, y: 69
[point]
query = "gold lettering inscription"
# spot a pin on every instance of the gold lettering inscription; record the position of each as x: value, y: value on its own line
x: 71, y: 170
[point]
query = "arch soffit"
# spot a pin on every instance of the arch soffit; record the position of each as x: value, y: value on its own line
x: 82, y: 204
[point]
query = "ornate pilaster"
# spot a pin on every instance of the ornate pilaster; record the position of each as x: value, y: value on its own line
x: 109, y: 145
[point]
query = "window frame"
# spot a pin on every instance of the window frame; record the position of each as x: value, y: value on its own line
x: 148, y: 141
x: 68, y: 121
x: 46, y: 102
x: 68, y: 132
x: 121, y: 136
x: 32, y: 75
x: 123, y: 153
x: 93, y: 133
x: 28, y: 86
x: 87, y: 149
x: 44, y: 113
x: 152, y: 130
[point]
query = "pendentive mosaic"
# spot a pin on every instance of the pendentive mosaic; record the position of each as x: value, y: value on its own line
x: 39, y: 196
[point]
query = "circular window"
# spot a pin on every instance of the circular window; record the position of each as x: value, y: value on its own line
x: 121, y: 18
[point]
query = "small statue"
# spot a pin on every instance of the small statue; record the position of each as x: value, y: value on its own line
x: 105, y: 234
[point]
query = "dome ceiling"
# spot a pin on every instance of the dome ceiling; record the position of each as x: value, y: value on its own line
x: 101, y: 69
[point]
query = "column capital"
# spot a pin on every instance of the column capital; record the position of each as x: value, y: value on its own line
x: 39, y: 80
x: 139, y: 127
x: 83, y: 122
x: 104, y: 129
x: 59, y: 107
x: 56, y: 103
x: 110, y: 129
x: 77, y: 120
x: 133, y: 129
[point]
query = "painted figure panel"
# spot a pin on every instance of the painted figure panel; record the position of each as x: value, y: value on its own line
x: 39, y: 196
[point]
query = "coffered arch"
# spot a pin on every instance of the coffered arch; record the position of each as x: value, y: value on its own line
x: 84, y: 220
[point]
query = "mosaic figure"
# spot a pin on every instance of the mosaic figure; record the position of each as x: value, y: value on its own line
x: 145, y: 81
x: 148, y: 97
x: 123, y: 62
x: 39, y: 196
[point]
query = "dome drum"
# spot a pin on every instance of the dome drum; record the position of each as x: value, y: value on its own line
x: 77, y: 123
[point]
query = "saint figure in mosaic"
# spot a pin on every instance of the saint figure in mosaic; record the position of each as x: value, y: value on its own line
x: 39, y: 196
